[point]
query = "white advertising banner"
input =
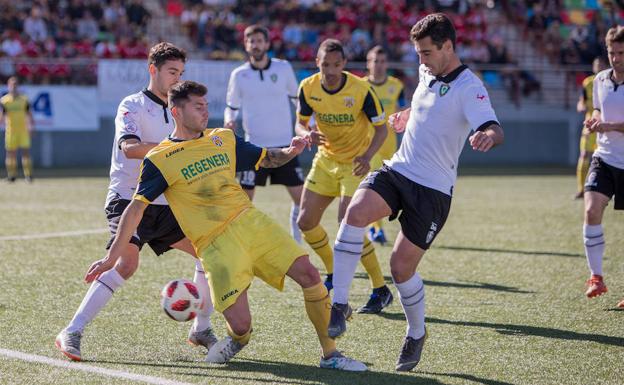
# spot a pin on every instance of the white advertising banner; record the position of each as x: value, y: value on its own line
x: 62, y: 108
x: 120, y: 78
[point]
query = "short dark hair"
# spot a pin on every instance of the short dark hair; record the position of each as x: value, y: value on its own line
x: 437, y: 26
x: 164, y: 51
x: 180, y: 92
x: 377, y: 50
x: 331, y: 45
x: 615, y: 35
x: 256, y: 28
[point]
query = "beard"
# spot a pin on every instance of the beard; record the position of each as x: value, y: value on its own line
x: 258, y: 54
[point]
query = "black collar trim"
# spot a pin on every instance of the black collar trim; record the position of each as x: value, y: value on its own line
x: 452, y: 75
x: 253, y: 67
x: 174, y: 139
x: 612, y: 79
x: 154, y: 98
x: 344, y: 82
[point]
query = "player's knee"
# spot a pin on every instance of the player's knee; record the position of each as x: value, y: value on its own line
x: 305, y: 221
x: 400, y: 271
x: 304, y: 273
x: 357, y: 215
x: 240, y: 325
x: 593, y: 214
x: 127, y: 265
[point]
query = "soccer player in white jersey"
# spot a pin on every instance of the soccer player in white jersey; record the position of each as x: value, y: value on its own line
x: 606, y: 174
x: 142, y: 122
x: 264, y: 88
x: 416, y: 184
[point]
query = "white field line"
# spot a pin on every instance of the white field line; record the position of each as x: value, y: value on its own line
x: 52, y: 235
x: 88, y: 368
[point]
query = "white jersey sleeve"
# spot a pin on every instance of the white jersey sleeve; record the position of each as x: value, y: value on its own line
x: 128, y: 121
x: 233, y: 99
x: 291, y: 84
x: 477, y: 108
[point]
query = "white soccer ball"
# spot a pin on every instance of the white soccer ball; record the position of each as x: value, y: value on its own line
x: 181, y: 300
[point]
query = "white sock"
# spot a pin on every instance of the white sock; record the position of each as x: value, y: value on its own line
x: 412, y: 296
x: 202, y: 320
x: 294, y: 228
x: 347, y: 254
x: 593, y: 238
x: 98, y: 295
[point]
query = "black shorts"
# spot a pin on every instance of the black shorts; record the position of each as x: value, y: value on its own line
x: 423, y: 210
x: 158, y: 228
x: 290, y: 174
x: 607, y: 180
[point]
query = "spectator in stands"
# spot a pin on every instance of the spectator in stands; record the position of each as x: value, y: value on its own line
x: 34, y: 25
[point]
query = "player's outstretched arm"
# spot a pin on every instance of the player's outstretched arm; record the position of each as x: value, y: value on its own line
x: 486, y: 138
x: 398, y: 120
x: 130, y: 220
x: 276, y: 157
x: 135, y: 149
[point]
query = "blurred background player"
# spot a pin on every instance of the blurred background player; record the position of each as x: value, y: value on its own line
x: 416, y: 185
x: 389, y: 90
x: 142, y: 122
x: 236, y: 241
x: 19, y: 125
x: 344, y: 107
x: 588, y: 140
x: 264, y: 88
x: 606, y: 173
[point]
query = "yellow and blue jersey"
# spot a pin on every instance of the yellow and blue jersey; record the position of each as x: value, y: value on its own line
x: 15, y: 108
x: 391, y: 95
x: 588, y: 95
x: 198, y: 179
x: 344, y: 115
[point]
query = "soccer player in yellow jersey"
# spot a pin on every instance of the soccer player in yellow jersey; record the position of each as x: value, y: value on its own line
x: 195, y: 169
x: 15, y: 109
x: 588, y: 140
x: 345, y: 107
x: 390, y: 92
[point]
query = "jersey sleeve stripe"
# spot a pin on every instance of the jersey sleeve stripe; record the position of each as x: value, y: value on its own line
x: 373, y: 109
x: 141, y: 198
x: 123, y: 138
x: 262, y: 155
x: 486, y: 125
x: 303, y: 108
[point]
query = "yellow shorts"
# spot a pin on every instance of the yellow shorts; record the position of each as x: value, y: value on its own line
x: 588, y: 142
x: 16, y: 139
x: 252, y: 245
x: 330, y: 178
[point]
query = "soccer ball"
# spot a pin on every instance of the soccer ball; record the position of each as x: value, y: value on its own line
x: 181, y: 300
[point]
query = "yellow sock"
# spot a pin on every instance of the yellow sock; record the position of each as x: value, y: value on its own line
x: 27, y: 166
x: 582, y: 167
x: 11, y: 167
x: 378, y: 225
x: 319, y: 242
x: 243, y: 339
x: 317, y: 306
x: 371, y: 264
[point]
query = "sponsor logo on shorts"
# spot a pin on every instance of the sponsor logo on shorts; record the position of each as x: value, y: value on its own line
x: 229, y: 294
x: 432, y: 231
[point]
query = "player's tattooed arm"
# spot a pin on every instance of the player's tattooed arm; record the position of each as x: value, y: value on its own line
x: 276, y: 157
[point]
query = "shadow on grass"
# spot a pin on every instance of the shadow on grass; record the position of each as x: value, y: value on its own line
x: 524, y: 252
x: 468, y: 377
x: 525, y: 330
x: 286, y: 373
x: 467, y: 285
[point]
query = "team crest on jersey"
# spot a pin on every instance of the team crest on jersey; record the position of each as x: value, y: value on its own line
x: 274, y: 77
x: 349, y: 101
x: 432, y: 231
x: 444, y: 88
x: 217, y: 141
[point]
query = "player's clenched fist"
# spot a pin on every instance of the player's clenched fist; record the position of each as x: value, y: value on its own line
x: 480, y: 141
